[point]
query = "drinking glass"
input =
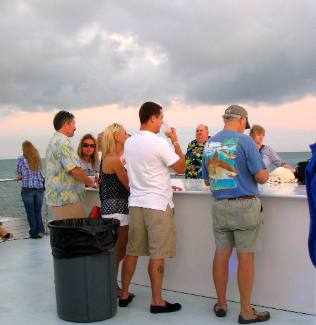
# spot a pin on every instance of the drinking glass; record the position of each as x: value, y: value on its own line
x: 165, y: 129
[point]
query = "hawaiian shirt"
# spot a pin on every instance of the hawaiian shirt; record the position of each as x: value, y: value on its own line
x: 61, y: 187
x: 193, y: 160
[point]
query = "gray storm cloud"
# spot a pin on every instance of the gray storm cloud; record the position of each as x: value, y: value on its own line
x: 87, y: 53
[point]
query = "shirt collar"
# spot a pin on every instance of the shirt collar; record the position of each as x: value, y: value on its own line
x: 147, y: 132
x: 61, y: 135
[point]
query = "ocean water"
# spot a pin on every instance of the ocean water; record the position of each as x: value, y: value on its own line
x: 11, y: 204
x: 7, y: 166
x: 293, y: 158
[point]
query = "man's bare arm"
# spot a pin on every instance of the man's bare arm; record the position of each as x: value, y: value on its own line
x: 178, y: 166
x: 262, y: 176
x: 81, y: 176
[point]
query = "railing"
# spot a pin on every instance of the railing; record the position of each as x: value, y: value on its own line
x: 11, y: 204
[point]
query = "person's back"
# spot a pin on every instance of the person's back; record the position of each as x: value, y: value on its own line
x: 147, y: 167
x: 233, y: 159
x: 59, y: 155
x: 232, y: 167
x: 28, y: 170
x: 152, y: 227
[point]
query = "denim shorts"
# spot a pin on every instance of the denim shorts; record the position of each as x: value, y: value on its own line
x: 237, y: 223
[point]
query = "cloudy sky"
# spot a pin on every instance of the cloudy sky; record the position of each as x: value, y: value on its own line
x: 102, y: 59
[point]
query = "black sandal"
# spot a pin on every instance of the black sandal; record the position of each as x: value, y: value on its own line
x: 220, y: 311
x: 125, y: 302
x: 167, y: 308
x: 256, y: 317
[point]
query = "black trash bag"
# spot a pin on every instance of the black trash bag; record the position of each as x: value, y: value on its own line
x: 299, y: 172
x: 81, y: 237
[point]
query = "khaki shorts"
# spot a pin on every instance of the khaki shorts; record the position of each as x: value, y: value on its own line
x: 237, y: 223
x: 151, y: 233
x: 69, y: 211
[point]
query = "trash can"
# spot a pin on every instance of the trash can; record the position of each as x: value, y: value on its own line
x: 84, y: 268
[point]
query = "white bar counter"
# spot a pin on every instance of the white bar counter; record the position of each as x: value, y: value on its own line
x: 284, y: 278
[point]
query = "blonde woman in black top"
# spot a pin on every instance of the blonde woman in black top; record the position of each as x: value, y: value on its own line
x: 114, y: 188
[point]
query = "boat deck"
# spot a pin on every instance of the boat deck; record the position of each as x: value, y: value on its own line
x: 28, y: 295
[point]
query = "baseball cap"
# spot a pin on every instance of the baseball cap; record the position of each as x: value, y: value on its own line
x: 236, y: 111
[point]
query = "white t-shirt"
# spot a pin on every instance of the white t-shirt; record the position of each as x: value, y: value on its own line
x: 147, y: 159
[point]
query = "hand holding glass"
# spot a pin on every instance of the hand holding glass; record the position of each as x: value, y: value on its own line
x: 165, y: 129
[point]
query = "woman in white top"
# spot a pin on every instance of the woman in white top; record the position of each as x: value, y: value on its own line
x: 88, y: 154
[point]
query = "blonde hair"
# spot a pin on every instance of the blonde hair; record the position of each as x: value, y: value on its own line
x: 31, y: 155
x: 108, y: 141
x: 256, y: 129
x: 94, y: 156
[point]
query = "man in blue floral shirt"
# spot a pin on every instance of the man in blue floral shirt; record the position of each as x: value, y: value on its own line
x: 193, y: 157
x: 64, y: 177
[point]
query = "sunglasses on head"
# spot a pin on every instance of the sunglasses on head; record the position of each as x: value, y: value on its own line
x: 86, y: 145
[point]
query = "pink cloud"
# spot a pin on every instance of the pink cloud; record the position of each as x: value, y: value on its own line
x: 289, y: 127
x: 299, y: 115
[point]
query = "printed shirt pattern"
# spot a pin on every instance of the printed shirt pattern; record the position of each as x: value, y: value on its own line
x: 193, y: 160
x: 61, y: 187
x: 219, y: 157
x: 30, y: 179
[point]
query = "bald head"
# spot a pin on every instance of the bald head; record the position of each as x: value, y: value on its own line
x: 201, y: 133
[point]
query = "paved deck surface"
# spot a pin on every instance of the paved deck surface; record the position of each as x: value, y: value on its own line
x: 28, y: 296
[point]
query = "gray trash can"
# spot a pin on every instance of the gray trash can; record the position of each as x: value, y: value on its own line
x: 84, y: 268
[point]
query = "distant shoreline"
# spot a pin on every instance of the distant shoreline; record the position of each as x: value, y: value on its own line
x: 279, y: 152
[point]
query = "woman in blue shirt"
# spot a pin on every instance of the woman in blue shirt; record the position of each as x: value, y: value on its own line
x: 28, y: 170
x: 269, y: 156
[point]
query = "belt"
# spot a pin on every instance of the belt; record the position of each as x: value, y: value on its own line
x: 244, y: 197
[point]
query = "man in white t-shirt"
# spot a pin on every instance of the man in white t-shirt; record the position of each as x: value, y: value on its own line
x: 151, y: 219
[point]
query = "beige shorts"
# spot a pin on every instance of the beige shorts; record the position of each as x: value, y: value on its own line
x: 151, y: 233
x: 237, y: 223
x: 69, y: 211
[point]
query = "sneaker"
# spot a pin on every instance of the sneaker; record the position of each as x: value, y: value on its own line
x: 167, y: 308
x: 36, y: 237
x: 256, y: 317
x: 220, y: 311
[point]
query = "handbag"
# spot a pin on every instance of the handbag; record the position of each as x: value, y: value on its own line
x: 95, y: 212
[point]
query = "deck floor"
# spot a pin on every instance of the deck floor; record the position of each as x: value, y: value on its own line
x: 28, y: 296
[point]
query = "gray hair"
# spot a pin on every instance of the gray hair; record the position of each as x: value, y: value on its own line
x: 227, y: 119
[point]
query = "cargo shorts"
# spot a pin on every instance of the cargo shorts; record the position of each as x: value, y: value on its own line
x: 237, y: 223
x: 151, y: 233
